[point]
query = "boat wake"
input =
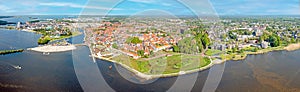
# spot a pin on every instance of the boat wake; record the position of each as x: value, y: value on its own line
x: 12, y: 65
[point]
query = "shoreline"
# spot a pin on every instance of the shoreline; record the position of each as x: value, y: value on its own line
x: 31, y: 31
x: 74, y: 35
x: 22, y: 30
x: 290, y: 47
x: 148, y: 76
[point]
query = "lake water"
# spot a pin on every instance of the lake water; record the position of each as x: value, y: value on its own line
x: 274, y: 71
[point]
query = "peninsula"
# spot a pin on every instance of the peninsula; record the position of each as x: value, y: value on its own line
x: 163, y: 47
x: 53, y: 34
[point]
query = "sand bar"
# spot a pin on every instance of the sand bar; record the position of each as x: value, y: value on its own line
x: 49, y: 48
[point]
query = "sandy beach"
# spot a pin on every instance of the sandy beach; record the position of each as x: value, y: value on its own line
x: 292, y: 47
x: 49, y: 48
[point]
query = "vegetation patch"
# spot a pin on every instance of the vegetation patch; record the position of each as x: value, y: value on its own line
x: 4, y: 52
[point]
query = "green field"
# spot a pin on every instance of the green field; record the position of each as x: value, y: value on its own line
x: 211, y: 52
x: 47, y: 38
x: 165, y: 65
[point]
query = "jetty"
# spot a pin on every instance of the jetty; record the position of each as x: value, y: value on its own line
x: 4, y: 52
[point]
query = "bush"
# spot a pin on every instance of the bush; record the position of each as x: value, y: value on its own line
x: 44, y: 40
x: 255, y: 49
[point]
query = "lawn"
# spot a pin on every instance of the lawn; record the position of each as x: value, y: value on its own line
x: 165, y: 65
x: 63, y: 37
x: 211, y: 52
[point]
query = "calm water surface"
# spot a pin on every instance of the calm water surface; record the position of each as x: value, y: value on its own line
x: 274, y: 71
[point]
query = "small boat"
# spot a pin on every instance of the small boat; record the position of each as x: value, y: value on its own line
x: 18, y: 67
x: 46, y: 53
x: 110, y: 67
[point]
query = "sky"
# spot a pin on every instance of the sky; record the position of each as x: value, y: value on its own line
x: 129, y: 7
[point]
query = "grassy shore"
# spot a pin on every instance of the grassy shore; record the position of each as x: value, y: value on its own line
x: 46, y: 39
x: 64, y: 37
x: 241, y: 56
x: 163, y: 67
x: 4, y: 52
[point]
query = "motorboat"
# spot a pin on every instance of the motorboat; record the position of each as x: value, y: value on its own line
x: 18, y: 67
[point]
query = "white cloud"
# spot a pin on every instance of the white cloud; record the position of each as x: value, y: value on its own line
x: 72, y: 5
x: 4, y: 8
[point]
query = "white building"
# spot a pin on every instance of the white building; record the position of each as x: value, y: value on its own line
x: 264, y: 44
x: 18, y: 24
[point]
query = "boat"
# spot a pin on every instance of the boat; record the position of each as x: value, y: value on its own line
x: 46, y: 53
x: 110, y: 67
x: 18, y: 67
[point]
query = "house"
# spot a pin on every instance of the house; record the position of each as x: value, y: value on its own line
x: 264, y: 44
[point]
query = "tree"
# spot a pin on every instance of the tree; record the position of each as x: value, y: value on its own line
x: 231, y: 35
x: 176, y: 49
x: 140, y: 52
x: 115, y: 46
x: 274, y: 40
x: 268, y: 29
x: 136, y: 40
x: 43, y: 40
x: 151, y: 52
x: 255, y: 49
x: 264, y: 37
x: 234, y: 49
x: 205, y: 40
x: 293, y: 40
x: 241, y: 51
x: 196, y: 44
x: 188, y: 45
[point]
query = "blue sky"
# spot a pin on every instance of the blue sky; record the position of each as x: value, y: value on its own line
x: 128, y: 7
